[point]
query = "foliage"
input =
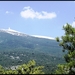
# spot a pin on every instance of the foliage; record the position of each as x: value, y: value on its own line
x: 1, y: 70
x: 68, y: 45
x: 45, y: 52
x: 29, y: 68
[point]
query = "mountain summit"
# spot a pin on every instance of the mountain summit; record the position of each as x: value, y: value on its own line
x: 13, y: 32
x: 17, y: 33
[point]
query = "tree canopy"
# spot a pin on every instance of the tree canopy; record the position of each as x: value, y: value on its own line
x: 29, y: 68
x: 67, y: 42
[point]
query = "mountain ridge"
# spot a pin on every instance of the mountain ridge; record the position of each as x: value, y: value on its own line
x: 14, y: 32
x: 46, y: 37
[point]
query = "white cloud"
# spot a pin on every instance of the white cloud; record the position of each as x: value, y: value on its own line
x: 64, y: 24
x: 28, y: 12
x: 8, y: 12
x: 73, y: 24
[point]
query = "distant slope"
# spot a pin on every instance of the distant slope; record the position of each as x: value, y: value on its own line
x: 20, y: 40
x: 17, y: 48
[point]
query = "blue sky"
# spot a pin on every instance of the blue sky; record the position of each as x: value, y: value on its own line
x: 44, y: 18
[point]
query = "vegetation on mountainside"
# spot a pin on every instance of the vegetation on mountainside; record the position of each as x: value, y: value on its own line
x: 67, y: 42
x: 29, y: 68
x: 17, y: 50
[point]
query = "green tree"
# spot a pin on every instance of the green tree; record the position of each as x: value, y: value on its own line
x: 1, y: 70
x: 67, y: 42
x: 29, y: 68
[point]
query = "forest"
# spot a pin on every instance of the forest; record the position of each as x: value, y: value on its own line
x: 33, y: 60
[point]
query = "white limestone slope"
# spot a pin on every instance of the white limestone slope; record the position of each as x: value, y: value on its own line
x: 46, y: 37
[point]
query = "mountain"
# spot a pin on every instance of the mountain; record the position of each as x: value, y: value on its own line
x: 13, y: 32
x: 17, y: 48
x: 13, y: 39
x: 17, y: 33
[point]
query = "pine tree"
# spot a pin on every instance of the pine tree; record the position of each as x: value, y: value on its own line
x: 68, y: 45
x: 1, y: 70
x: 29, y: 68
